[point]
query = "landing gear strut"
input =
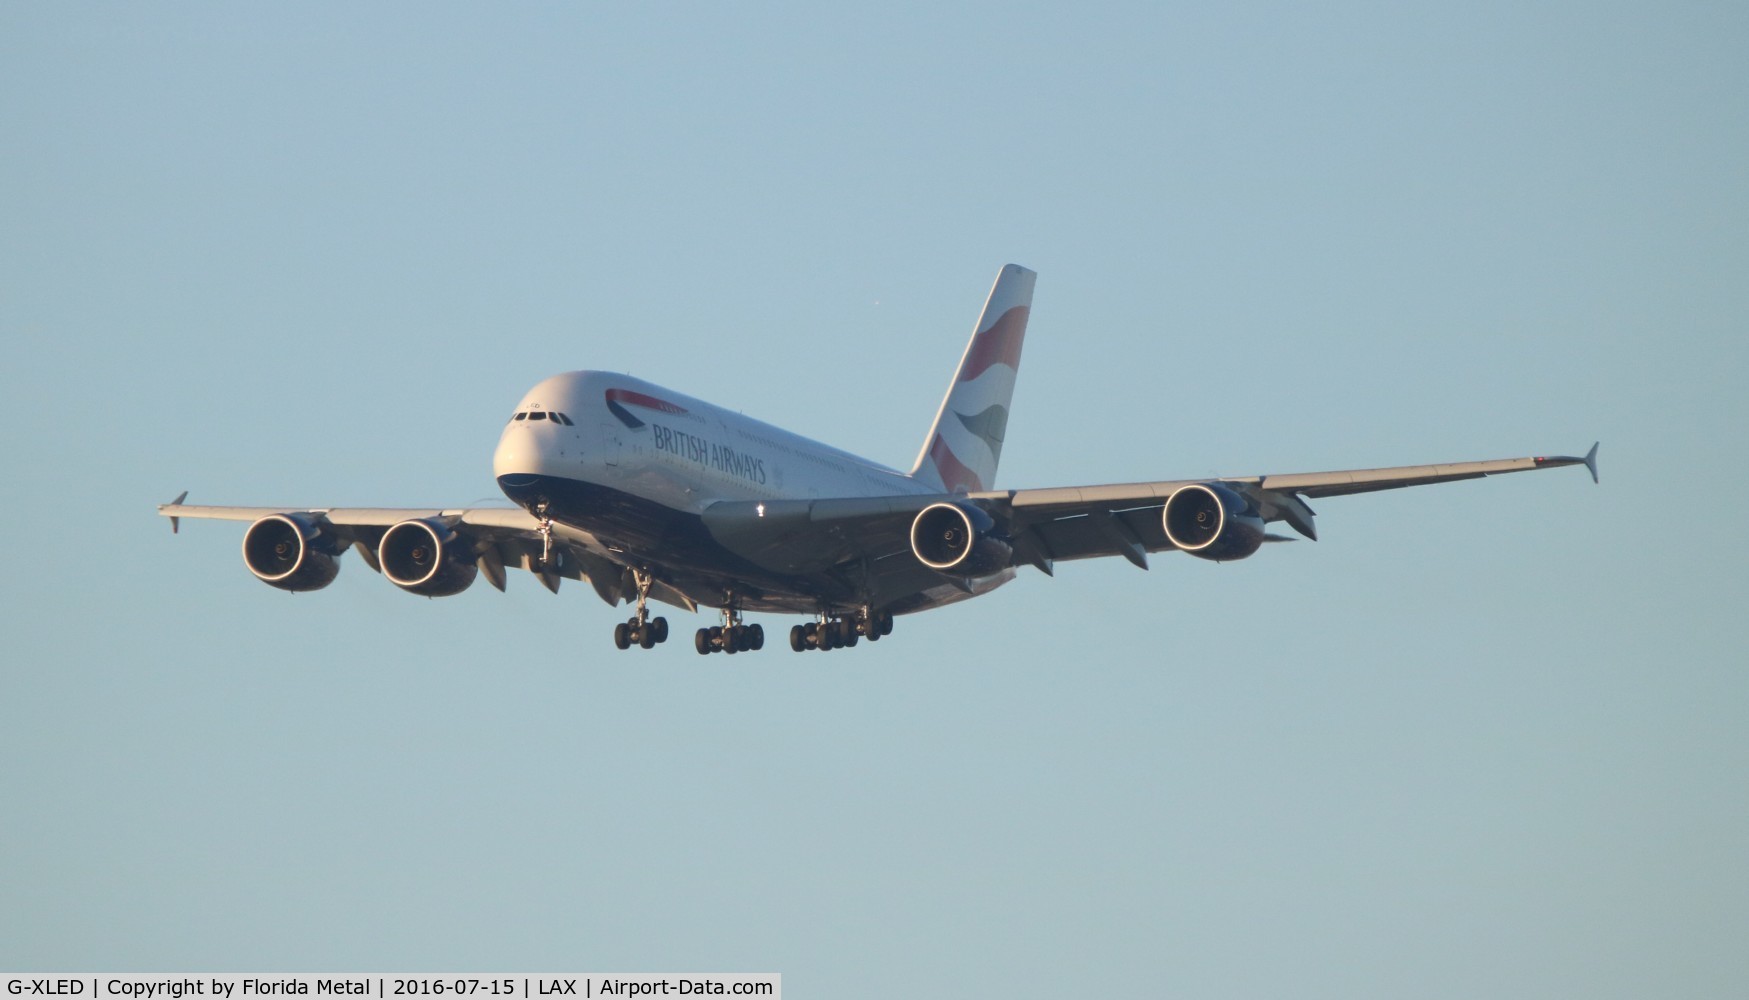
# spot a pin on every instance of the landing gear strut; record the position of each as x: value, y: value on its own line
x: 640, y: 628
x: 839, y: 631
x: 545, y: 530
x: 729, y: 637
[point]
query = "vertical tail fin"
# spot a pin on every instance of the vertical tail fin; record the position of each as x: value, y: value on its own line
x: 965, y: 442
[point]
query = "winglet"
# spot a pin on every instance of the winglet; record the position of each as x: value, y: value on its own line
x: 176, y: 522
x: 1591, y: 460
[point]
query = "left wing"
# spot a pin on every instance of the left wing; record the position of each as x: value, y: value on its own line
x: 1073, y: 522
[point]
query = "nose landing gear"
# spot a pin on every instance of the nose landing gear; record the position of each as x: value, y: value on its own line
x: 545, y: 530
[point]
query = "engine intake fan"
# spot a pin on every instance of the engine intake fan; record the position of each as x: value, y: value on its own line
x: 426, y: 557
x: 1211, y: 521
x: 959, y: 539
x: 289, y: 551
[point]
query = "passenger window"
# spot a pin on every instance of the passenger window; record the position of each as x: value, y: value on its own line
x: 537, y: 415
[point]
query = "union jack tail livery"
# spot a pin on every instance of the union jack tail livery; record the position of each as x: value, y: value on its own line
x: 965, y: 442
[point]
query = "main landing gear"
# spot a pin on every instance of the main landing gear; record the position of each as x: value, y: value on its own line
x: 640, y: 628
x: 729, y: 637
x: 839, y: 631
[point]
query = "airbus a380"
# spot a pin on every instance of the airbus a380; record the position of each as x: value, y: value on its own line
x: 643, y: 493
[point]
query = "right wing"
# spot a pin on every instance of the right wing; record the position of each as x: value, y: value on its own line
x: 501, y: 537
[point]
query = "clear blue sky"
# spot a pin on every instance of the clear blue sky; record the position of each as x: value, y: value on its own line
x: 1486, y: 739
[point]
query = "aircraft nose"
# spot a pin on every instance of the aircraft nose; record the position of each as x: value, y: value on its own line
x: 518, y: 453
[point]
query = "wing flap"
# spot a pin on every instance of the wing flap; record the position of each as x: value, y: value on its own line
x: 1119, y: 496
x: 1131, y: 534
x: 1330, y: 484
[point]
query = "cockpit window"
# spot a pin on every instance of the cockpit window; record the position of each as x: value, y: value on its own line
x: 554, y: 415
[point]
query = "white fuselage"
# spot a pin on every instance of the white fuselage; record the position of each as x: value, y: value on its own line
x: 683, y: 455
x: 632, y: 467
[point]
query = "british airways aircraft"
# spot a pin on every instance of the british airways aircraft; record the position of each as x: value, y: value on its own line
x: 643, y: 493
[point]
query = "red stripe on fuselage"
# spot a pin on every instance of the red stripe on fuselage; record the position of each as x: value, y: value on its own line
x: 1000, y: 344
x: 639, y: 399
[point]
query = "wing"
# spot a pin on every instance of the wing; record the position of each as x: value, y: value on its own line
x: 1124, y: 519
x: 1047, y: 525
x: 499, y: 538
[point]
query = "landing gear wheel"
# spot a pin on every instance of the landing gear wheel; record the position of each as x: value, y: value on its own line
x: 798, y: 638
x: 755, y: 637
x: 622, y: 636
x: 701, y: 641
x: 874, y: 624
x: 660, y: 627
x: 646, y: 637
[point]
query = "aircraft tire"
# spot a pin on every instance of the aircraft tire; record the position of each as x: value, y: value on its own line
x: 798, y: 638
x: 660, y: 627
x: 755, y: 637
x: 646, y: 637
x: 701, y: 641
x: 622, y: 638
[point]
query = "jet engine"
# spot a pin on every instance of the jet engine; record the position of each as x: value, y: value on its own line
x: 427, y: 558
x: 291, y: 552
x: 959, y: 539
x: 1211, y: 521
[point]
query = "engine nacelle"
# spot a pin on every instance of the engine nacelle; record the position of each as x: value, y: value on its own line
x: 959, y: 539
x: 426, y: 557
x: 289, y: 551
x: 1211, y: 521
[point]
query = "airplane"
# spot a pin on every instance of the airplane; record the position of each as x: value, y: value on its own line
x: 644, y: 493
